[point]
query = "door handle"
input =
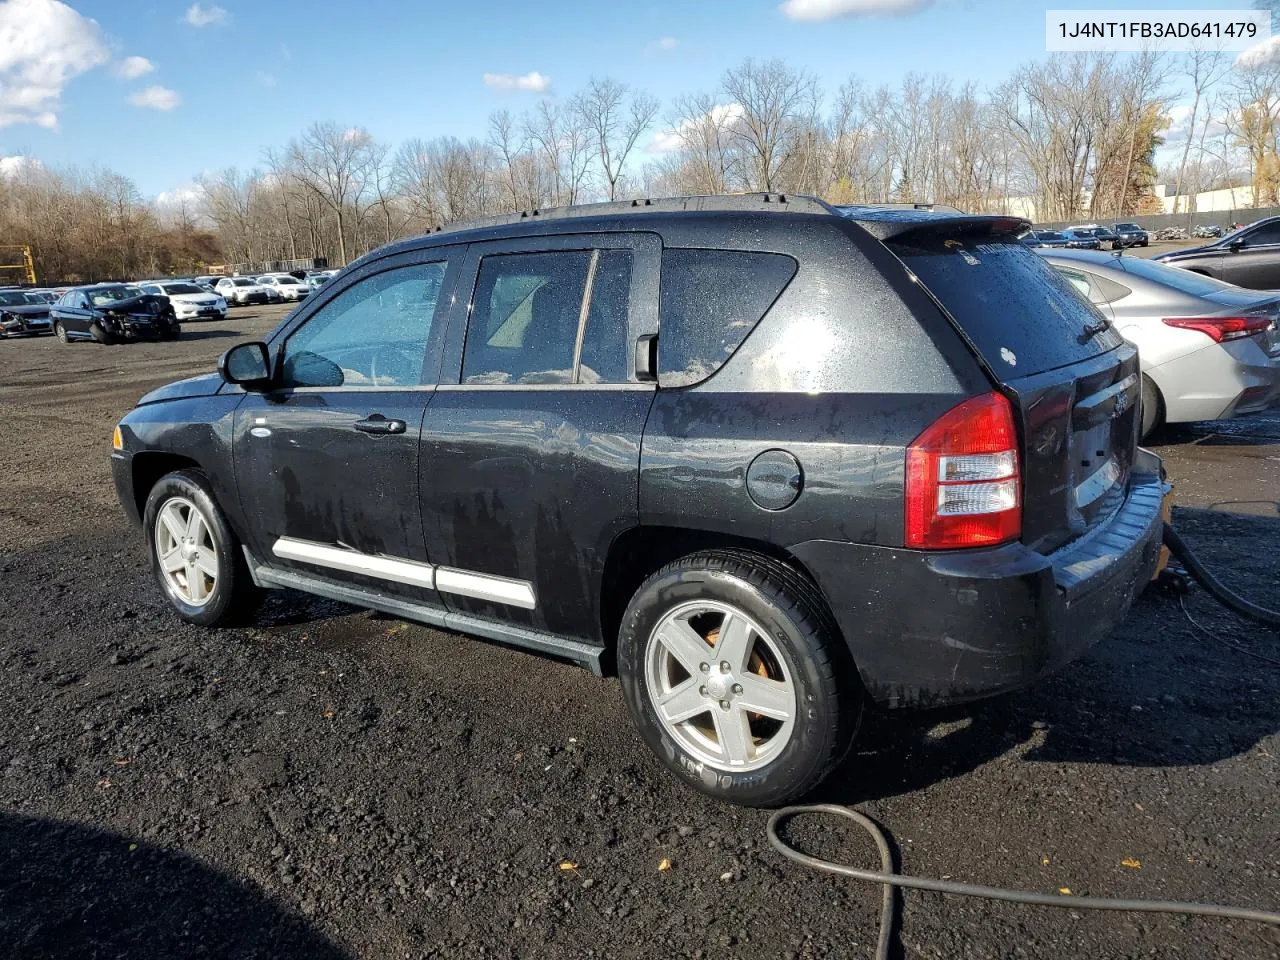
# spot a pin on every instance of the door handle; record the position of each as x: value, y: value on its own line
x: 376, y: 423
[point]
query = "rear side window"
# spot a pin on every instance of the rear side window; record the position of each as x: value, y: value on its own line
x: 1022, y: 315
x: 710, y: 301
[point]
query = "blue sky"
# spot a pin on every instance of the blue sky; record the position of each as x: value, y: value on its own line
x: 232, y: 78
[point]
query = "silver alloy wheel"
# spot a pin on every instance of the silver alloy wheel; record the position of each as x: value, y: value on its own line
x: 720, y: 686
x: 186, y: 552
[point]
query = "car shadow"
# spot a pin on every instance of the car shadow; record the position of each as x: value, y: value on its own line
x: 189, y: 334
x: 75, y: 893
x: 1259, y: 429
x: 1160, y: 691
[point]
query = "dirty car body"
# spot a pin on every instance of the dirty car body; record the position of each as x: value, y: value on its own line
x: 782, y: 380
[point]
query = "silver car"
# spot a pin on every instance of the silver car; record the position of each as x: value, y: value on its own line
x: 1209, y: 350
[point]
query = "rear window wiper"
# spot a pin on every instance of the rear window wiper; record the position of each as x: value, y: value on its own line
x: 1092, y: 330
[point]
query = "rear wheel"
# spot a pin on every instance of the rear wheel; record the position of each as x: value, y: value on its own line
x: 736, y: 678
x: 1152, y: 408
x: 196, y: 559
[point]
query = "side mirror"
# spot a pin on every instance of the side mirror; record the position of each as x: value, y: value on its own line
x: 246, y: 364
x: 1236, y: 244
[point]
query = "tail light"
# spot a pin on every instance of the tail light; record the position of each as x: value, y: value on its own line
x: 1222, y: 328
x: 963, y: 481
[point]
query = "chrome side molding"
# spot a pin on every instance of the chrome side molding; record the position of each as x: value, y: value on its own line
x: 465, y: 583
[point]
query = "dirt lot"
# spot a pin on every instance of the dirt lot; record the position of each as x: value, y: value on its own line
x: 329, y: 783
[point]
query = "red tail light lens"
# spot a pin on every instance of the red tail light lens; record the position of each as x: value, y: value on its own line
x: 964, y: 484
x: 1222, y: 328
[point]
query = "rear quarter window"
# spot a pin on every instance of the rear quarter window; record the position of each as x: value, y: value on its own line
x: 710, y: 301
x: 1021, y: 315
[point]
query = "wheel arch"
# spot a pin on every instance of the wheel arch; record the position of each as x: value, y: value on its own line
x: 639, y: 551
x: 148, y: 466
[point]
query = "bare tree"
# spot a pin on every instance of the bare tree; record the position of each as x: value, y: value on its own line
x: 333, y: 162
x: 774, y: 99
x: 615, y: 116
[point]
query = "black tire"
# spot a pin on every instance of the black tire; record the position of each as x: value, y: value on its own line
x: 234, y: 597
x: 60, y: 331
x: 1152, y: 408
x: 100, y: 334
x: 786, y: 605
x: 170, y: 332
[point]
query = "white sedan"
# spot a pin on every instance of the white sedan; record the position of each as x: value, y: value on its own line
x: 288, y: 286
x: 189, y: 301
x: 242, y: 290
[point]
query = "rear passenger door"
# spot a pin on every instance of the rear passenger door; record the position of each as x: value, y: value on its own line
x: 531, y: 447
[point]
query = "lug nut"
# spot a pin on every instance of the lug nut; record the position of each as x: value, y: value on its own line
x: 704, y: 667
x: 702, y: 691
x: 724, y: 666
x: 724, y: 704
x: 737, y: 688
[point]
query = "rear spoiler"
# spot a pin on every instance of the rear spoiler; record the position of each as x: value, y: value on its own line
x: 902, y: 224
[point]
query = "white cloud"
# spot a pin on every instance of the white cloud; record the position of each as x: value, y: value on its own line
x: 664, y: 45
x: 669, y: 141
x: 16, y: 165
x: 201, y: 16
x: 188, y: 193
x: 130, y: 68
x: 44, y: 45
x: 839, y: 9
x: 533, y: 82
x: 265, y: 79
x: 156, y: 98
x: 1267, y: 51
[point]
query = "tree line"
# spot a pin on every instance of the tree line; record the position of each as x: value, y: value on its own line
x: 1073, y: 135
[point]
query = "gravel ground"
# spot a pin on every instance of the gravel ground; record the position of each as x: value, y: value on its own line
x: 331, y: 783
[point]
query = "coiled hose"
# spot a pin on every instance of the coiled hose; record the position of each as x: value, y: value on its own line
x: 890, y: 880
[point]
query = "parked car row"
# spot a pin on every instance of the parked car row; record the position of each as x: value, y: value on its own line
x: 1090, y: 236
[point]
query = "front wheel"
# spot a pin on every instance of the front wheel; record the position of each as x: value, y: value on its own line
x: 60, y: 332
x: 195, y: 557
x: 100, y: 333
x: 736, y: 678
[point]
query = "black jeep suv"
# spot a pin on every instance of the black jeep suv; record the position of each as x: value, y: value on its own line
x: 770, y: 459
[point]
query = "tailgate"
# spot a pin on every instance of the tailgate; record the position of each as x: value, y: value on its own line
x: 1073, y: 380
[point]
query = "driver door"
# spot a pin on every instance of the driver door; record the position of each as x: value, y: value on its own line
x: 327, y: 462
x: 1257, y: 263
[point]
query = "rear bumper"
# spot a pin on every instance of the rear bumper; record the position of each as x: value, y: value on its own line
x: 927, y: 629
x: 1218, y: 381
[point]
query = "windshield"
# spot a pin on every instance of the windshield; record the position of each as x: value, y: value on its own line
x: 1196, y: 284
x: 1127, y: 226
x: 1050, y: 235
x: 104, y: 295
x: 12, y: 298
x: 287, y: 280
x: 241, y: 282
x: 181, y: 288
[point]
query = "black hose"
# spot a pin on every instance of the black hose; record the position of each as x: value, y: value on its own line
x: 1224, y: 595
x: 891, y: 879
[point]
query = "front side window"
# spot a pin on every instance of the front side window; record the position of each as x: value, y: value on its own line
x: 373, y: 334
x: 1264, y: 235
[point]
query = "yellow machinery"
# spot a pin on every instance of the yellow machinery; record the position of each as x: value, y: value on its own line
x: 27, y: 266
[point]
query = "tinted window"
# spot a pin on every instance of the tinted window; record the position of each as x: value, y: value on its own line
x: 524, y: 318
x: 181, y: 288
x: 1022, y: 315
x: 243, y: 283
x: 373, y: 334
x: 1128, y: 227
x: 604, y: 342
x: 710, y: 301
x: 1185, y: 281
x: 1268, y: 234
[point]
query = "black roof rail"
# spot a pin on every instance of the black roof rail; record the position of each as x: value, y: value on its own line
x: 741, y: 203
